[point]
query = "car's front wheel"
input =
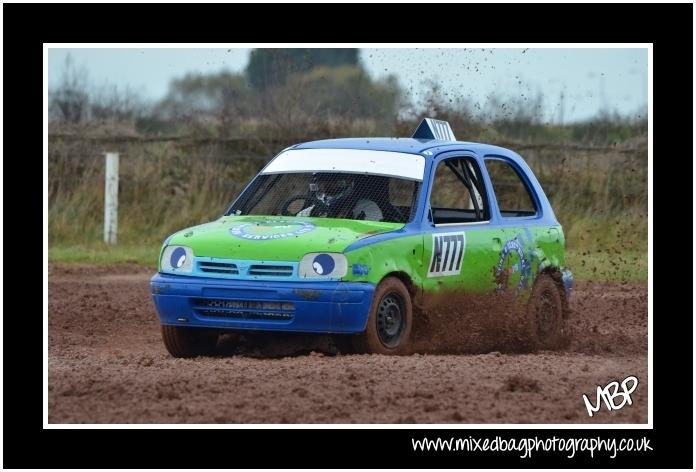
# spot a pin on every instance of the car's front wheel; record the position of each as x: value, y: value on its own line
x: 389, y: 323
x: 181, y: 341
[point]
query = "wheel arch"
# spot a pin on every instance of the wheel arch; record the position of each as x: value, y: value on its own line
x: 413, y: 289
x: 407, y: 281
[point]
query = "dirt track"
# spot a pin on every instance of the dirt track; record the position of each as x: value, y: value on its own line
x: 107, y: 364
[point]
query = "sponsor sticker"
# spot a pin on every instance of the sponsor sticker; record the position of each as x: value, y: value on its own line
x: 271, y: 229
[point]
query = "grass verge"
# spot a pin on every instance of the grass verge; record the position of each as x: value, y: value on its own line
x: 100, y: 253
x: 627, y: 266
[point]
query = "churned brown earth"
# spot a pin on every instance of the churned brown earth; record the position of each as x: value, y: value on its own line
x: 107, y: 364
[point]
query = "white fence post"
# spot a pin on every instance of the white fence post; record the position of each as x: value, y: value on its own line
x: 111, y: 198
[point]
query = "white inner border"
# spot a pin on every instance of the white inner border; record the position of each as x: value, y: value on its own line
x: 649, y: 425
x: 393, y: 164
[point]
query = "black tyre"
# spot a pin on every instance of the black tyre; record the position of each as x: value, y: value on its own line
x: 188, y: 342
x: 389, y: 324
x: 545, y: 314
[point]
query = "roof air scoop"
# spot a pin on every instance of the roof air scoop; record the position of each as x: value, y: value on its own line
x: 434, y: 129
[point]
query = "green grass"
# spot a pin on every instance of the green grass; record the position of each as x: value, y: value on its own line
x: 627, y: 266
x: 100, y: 253
x: 585, y: 265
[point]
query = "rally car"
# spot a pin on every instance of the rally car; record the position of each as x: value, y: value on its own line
x: 357, y: 237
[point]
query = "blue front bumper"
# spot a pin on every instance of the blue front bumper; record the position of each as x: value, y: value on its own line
x: 310, y: 307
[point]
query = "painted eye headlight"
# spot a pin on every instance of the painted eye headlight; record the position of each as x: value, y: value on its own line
x: 322, y: 265
x: 177, y: 259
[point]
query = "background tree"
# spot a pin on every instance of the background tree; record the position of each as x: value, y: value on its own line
x: 70, y: 100
x: 111, y: 104
x: 271, y: 67
x: 221, y: 98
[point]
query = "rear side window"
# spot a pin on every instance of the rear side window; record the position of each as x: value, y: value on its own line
x: 513, y: 196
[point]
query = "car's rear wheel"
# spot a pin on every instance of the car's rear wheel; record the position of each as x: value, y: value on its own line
x: 182, y: 341
x: 389, y: 323
x: 545, y: 313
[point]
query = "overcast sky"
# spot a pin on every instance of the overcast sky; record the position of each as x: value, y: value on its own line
x: 590, y: 79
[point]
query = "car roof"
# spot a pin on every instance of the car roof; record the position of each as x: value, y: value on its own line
x: 405, y: 145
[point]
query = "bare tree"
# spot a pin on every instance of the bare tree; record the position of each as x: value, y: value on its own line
x: 109, y: 103
x: 70, y: 100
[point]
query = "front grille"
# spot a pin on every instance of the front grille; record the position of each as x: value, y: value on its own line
x: 238, y: 268
x: 244, y: 309
x: 271, y: 270
x: 218, y: 267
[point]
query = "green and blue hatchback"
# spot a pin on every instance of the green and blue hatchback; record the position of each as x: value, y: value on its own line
x: 356, y: 237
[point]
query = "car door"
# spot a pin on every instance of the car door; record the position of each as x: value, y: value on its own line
x: 517, y: 208
x: 459, y: 242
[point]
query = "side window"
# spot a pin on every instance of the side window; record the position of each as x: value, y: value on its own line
x: 457, y: 194
x: 513, y: 196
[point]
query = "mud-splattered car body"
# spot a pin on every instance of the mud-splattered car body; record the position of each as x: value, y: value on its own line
x: 259, y: 272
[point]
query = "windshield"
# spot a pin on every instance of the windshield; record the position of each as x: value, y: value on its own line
x: 330, y: 195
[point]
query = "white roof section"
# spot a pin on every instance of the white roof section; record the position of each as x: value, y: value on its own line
x: 357, y: 161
